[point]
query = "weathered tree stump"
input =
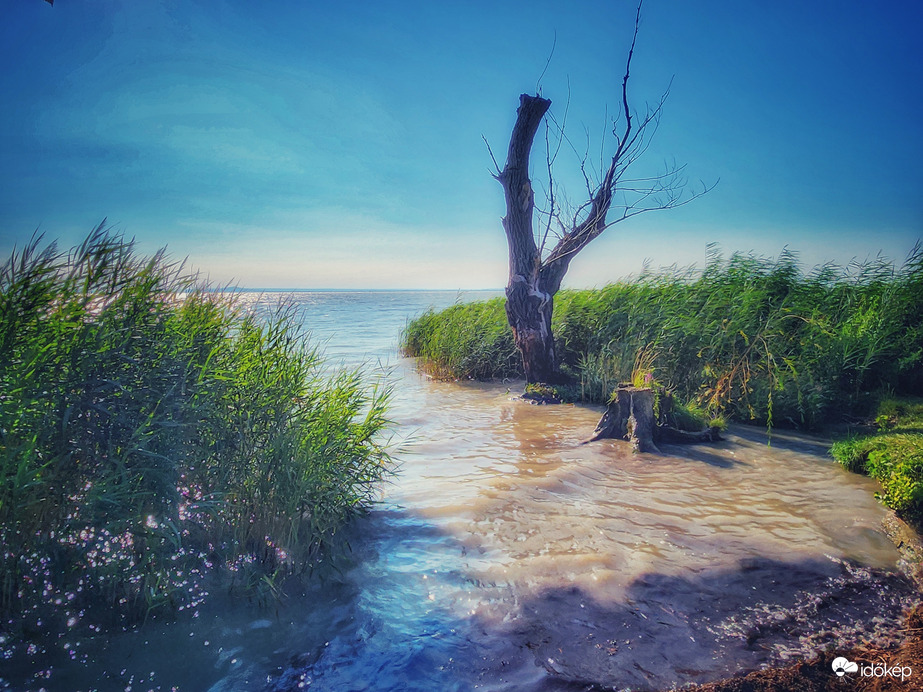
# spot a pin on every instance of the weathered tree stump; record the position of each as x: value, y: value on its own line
x: 630, y: 416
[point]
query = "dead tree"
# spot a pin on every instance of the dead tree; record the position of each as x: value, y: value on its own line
x: 535, y: 272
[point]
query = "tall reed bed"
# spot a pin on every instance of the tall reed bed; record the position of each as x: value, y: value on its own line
x: 464, y: 341
x: 151, y: 430
x: 751, y: 337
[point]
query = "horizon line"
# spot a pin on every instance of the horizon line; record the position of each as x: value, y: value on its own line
x: 230, y: 289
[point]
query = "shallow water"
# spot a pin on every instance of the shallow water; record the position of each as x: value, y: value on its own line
x: 506, y: 555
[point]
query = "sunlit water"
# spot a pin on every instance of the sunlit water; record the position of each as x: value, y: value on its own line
x: 507, y: 556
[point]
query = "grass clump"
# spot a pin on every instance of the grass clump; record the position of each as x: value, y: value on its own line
x: 690, y: 418
x: 552, y: 394
x: 465, y: 341
x: 152, y: 430
x: 748, y: 337
x: 893, y: 455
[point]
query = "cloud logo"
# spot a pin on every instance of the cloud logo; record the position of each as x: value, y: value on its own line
x: 841, y: 666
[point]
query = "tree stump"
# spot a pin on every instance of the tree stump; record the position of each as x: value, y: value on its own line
x: 630, y: 416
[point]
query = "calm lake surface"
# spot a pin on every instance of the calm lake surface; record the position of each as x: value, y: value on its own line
x: 506, y: 556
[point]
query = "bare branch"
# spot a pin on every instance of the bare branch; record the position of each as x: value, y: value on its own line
x: 562, y: 125
x: 538, y: 84
x: 549, y: 160
x: 625, y: 107
x: 492, y: 157
x: 552, y: 213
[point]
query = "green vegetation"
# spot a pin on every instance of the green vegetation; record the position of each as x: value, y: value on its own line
x: 749, y: 337
x: 151, y: 430
x: 470, y: 341
x: 688, y: 417
x: 893, y: 455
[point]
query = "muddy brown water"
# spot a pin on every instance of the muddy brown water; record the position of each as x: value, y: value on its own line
x: 505, y: 555
x: 595, y: 565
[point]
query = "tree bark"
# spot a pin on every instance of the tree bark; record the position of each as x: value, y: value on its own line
x: 532, y: 281
x: 528, y: 311
x: 641, y: 421
x: 614, y: 423
x: 528, y: 302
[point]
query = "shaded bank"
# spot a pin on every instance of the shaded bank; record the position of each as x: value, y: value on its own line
x: 672, y: 630
x: 667, y: 631
x: 900, y: 668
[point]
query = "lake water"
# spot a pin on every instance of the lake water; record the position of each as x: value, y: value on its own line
x: 505, y: 555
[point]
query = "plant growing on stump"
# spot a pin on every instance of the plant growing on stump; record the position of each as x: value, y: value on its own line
x: 536, y: 272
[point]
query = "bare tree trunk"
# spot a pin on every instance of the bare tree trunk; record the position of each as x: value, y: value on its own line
x: 528, y: 310
x: 528, y: 302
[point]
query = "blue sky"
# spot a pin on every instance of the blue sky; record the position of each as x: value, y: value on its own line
x: 303, y: 144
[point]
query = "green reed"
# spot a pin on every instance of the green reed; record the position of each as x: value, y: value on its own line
x: 152, y: 430
x: 464, y: 341
x: 750, y: 337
